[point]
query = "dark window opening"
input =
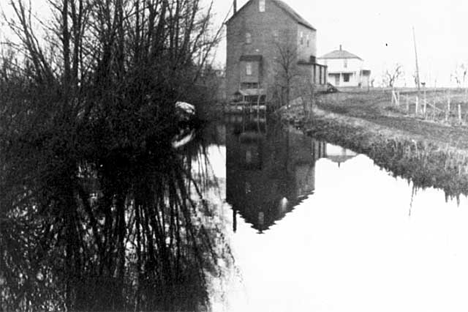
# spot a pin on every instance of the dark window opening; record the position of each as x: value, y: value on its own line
x: 249, y: 85
x: 346, y: 77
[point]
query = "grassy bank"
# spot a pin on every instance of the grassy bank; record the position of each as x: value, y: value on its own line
x: 430, y: 154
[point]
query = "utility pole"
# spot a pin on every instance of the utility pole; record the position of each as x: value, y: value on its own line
x: 417, y: 66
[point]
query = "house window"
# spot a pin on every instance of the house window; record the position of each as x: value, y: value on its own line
x: 308, y: 41
x: 346, y: 77
x: 261, y: 5
x: 248, y: 38
x: 345, y: 63
x: 248, y: 156
x: 302, y: 37
x: 248, y: 69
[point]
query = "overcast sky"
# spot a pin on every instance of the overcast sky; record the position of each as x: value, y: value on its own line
x: 380, y: 32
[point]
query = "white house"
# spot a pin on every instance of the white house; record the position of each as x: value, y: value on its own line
x: 345, y: 69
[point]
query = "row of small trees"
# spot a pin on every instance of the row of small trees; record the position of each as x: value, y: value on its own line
x: 392, y: 75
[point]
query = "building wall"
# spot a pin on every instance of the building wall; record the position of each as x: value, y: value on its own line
x: 268, y: 30
x: 338, y: 65
x: 306, y: 43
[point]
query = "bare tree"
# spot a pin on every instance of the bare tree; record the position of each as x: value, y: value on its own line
x: 392, y: 75
x: 459, y: 75
x: 286, y: 70
x: 94, y: 101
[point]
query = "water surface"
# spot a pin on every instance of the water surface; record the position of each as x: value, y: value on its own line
x: 314, y: 227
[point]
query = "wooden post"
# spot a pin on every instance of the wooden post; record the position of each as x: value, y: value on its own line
x: 417, y: 105
x: 425, y: 99
x: 447, y: 113
x: 424, y: 107
x: 459, y: 113
x: 407, y: 103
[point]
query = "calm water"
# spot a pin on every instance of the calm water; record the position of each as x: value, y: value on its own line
x: 314, y: 227
x: 284, y: 223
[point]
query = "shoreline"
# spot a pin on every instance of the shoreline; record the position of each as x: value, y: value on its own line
x: 414, y: 149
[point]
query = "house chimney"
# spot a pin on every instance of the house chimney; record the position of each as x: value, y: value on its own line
x: 340, y: 47
x: 235, y: 6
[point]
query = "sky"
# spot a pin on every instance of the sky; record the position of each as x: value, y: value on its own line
x: 381, y: 33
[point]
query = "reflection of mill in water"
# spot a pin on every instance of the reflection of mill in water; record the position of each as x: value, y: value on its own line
x: 270, y: 170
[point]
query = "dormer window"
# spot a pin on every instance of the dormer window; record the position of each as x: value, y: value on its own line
x: 261, y: 5
x: 345, y: 63
x: 248, y: 38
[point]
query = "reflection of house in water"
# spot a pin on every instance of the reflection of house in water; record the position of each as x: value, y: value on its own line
x: 338, y: 154
x: 268, y: 170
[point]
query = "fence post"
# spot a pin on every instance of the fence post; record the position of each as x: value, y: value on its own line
x: 425, y: 107
x: 417, y: 105
x: 407, y: 103
x: 425, y: 99
x: 395, y: 97
x: 459, y: 113
x: 447, y: 113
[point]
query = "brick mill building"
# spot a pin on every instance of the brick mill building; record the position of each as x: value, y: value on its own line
x: 271, y: 53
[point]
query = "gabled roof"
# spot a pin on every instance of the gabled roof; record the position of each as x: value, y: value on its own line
x: 286, y: 8
x: 283, y: 6
x: 340, y: 54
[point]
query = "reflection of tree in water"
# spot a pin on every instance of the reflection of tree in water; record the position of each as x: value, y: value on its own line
x: 95, y: 207
x: 120, y: 233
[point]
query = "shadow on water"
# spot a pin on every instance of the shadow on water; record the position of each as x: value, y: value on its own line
x: 126, y: 232
x: 270, y: 169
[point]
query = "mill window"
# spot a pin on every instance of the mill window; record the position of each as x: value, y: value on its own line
x: 248, y: 38
x: 248, y: 69
x: 261, y: 5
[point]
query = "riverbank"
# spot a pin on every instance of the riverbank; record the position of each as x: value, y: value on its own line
x: 431, y: 154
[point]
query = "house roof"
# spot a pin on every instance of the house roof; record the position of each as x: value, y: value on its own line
x: 286, y: 8
x: 340, y: 54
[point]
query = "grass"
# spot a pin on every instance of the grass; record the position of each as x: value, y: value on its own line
x: 428, y: 152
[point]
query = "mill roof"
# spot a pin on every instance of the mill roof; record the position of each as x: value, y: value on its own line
x: 282, y: 5
x: 340, y: 54
x: 286, y: 8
